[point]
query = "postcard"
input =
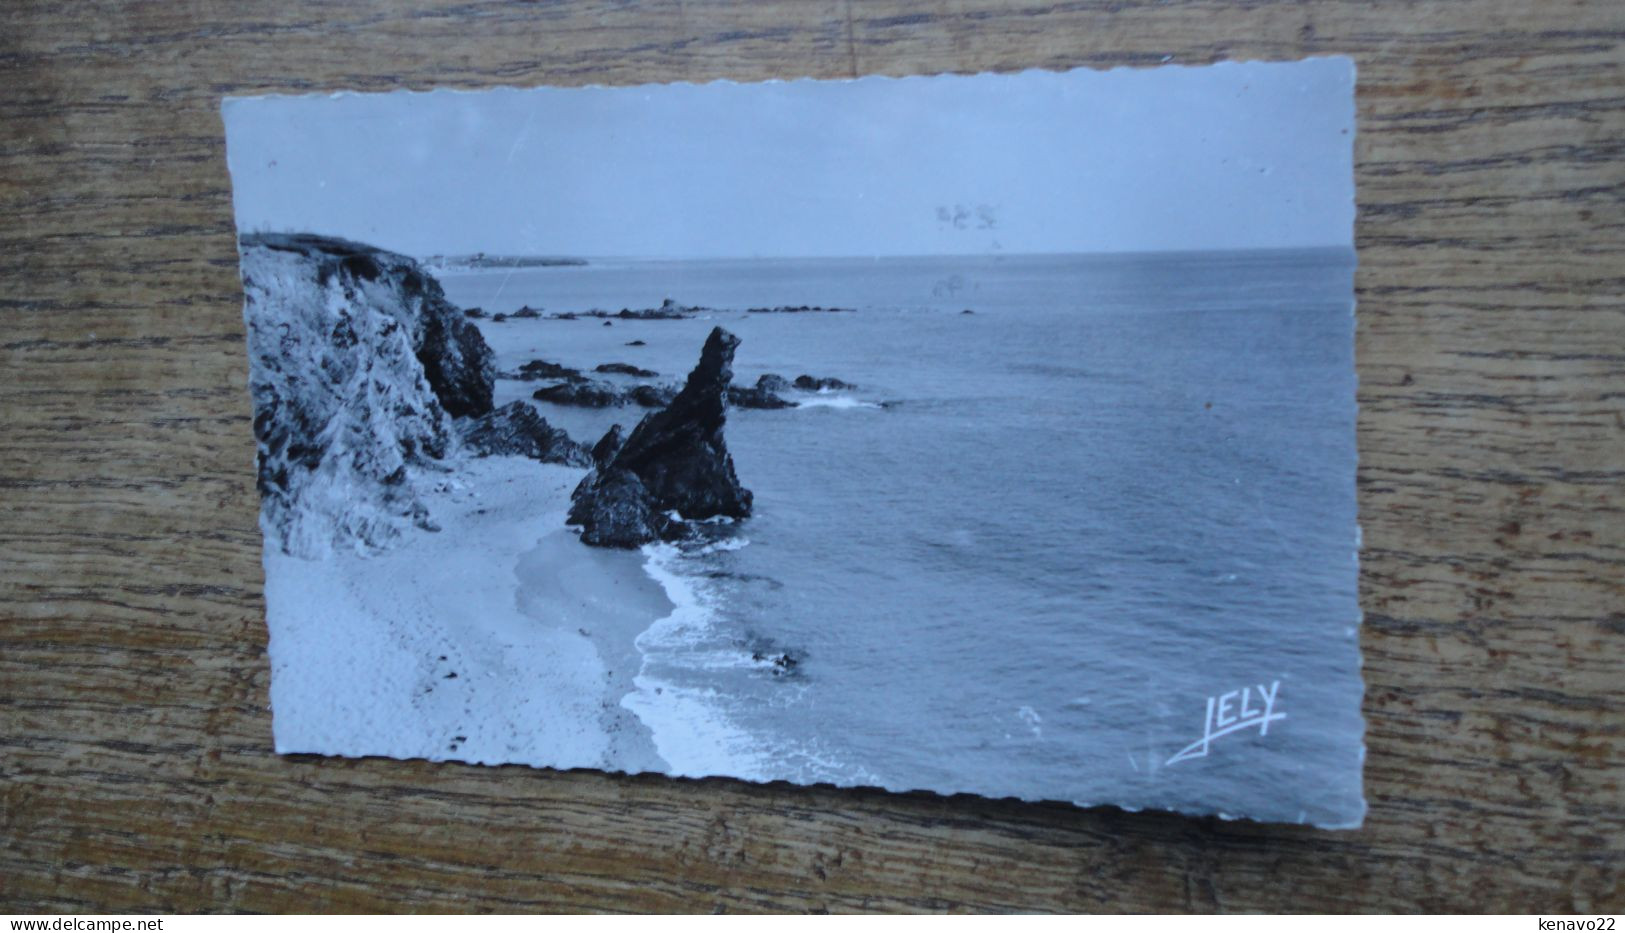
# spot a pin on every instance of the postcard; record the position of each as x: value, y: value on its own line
x: 987, y: 434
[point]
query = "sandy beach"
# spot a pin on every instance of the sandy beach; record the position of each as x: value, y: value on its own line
x: 450, y: 648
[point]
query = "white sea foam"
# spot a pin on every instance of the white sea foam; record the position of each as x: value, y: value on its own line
x: 721, y: 544
x: 690, y: 730
x: 690, y: 726
x: 834, y: 401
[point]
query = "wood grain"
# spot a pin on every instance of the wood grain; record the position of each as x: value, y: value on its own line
x: 136, y: 769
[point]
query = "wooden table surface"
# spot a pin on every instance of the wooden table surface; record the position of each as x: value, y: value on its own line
x: 135, y: 746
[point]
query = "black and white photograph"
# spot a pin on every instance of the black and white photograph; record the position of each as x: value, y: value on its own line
x: 981, y: 434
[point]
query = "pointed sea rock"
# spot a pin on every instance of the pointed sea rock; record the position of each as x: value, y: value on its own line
x: 675, y: 460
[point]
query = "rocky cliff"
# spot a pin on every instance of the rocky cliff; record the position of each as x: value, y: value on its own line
x: 357, y: 365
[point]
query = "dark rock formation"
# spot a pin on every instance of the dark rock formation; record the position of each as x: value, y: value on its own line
x: 602, y: 453
x: 608, y: 446
x: 498, y: 317
x: 474, y: 312
x: 545, y: 369
x: 460, y: 367
x: 967, y: 311
x: 756, y: 397
x: 625, y: 369
x: 811, y: 384
x: 772, y: 382
x: 679, y: 452
x: 526, y: 312
x: 652, y: 396
x: 668, y: 311
x: 517, y: 430
x: 675, y: 460
x: 585, y: 394
x: 783, y: 662
x: 636, y: 343
x: 616, y: 510
x: 609, y: 323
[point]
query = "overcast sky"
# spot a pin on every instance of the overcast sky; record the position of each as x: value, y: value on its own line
x: 1232, y: 156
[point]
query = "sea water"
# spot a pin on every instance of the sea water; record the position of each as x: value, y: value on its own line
x: 1041, y: 550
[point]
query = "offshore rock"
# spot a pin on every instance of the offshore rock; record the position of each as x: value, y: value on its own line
x: 772, y: 382
x: 652, y: 396
x: 625, y: 369
x: 814, y: 384
x: 546, y: 369
x: 668, y: 311
x: 675, y: 460
x: 798, y: 309
x: 581, y: 394
x: 756, y: 397
x: 679, y: 452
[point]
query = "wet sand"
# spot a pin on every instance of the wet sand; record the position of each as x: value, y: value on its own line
x: 607, y: 597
